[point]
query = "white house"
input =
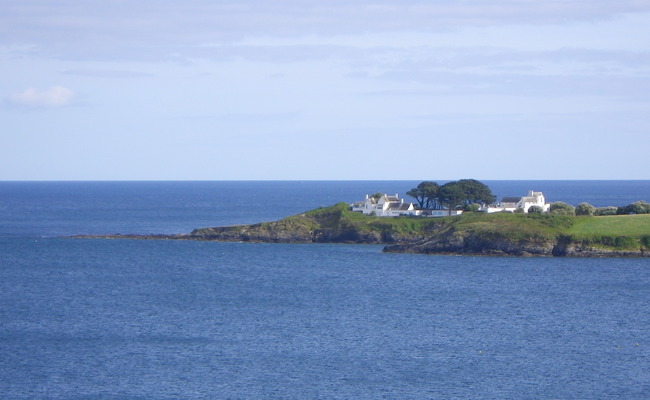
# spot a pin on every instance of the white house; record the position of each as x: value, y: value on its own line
x: 511, y: 204
x: 385, y: 206
x: 393, y: 206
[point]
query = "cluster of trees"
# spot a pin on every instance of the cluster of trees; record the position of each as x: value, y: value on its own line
x: 469, y: 194
x: 640, y: 207
x: 464, y: 193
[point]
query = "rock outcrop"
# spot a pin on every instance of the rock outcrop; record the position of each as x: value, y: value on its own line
x: 476, y: 244
x: 469, y: 244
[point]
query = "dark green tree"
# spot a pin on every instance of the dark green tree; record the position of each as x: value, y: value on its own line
x: 535, y: 210
x: 476, y: 192
x: 452, y: 195
x: 463, y: 193
x: 426, y: 194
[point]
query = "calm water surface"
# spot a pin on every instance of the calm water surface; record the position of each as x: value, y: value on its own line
x: 109, y: 319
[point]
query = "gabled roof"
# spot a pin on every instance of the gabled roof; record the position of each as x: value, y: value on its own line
x: 399, y: 206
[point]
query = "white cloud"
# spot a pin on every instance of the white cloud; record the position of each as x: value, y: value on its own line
x: 56, y: 96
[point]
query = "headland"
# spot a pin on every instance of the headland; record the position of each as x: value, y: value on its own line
x: 472, y: 233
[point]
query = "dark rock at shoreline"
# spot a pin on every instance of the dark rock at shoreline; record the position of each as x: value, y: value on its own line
x: 444, y: 244
x: 459, y: 243
x: 469, y: 245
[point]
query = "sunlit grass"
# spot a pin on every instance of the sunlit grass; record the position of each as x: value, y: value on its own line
x: 614, y: 225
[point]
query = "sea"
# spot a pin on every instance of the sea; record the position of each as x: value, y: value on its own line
x: 163, y: 319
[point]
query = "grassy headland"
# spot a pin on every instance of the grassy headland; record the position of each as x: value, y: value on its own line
x: 470, y: 233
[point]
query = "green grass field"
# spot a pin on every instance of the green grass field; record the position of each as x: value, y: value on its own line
x: 614, y: 225
x: 506, y: 223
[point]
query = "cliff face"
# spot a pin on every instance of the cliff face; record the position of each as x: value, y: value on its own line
x: 252, y: 233
x: 479, y: 244
x: 568, y: 247
x: 471, y: 244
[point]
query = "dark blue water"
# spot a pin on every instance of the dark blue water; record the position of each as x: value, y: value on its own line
x: 94, y: 319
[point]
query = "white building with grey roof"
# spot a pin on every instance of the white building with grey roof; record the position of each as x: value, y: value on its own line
x: 512, y: 204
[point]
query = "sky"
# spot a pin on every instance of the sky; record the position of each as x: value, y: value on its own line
x: 324, y: 90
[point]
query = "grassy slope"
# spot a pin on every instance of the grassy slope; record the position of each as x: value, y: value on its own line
x: 627, y: 225
x: 515, y: 226
x: 339, y: 215
x: 616, y: 232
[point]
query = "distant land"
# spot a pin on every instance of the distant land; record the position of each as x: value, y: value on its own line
x: 472, y: 233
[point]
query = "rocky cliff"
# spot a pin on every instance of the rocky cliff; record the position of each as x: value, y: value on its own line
x: 476, y: 244
x: 472, y: 244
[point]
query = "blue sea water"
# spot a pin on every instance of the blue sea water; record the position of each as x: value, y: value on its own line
x: 113, y: 319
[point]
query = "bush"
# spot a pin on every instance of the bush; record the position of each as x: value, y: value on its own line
x: 585, y: 209
x: 640, y: 207
x: 562, y: 208
x: 606, y: 211
x: 535, y: 210
x: 472, y: 207
x: 645, y: 240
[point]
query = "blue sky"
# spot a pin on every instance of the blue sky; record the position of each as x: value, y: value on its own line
x: 290, y: 89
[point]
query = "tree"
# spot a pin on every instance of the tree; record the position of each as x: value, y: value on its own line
x: 476, y: 192
x: 426, y: 194
x: 451, y: 195
x: 464, y: 192
x: 535, y: 210
x: 585, y: 209
x: 561, y: 208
